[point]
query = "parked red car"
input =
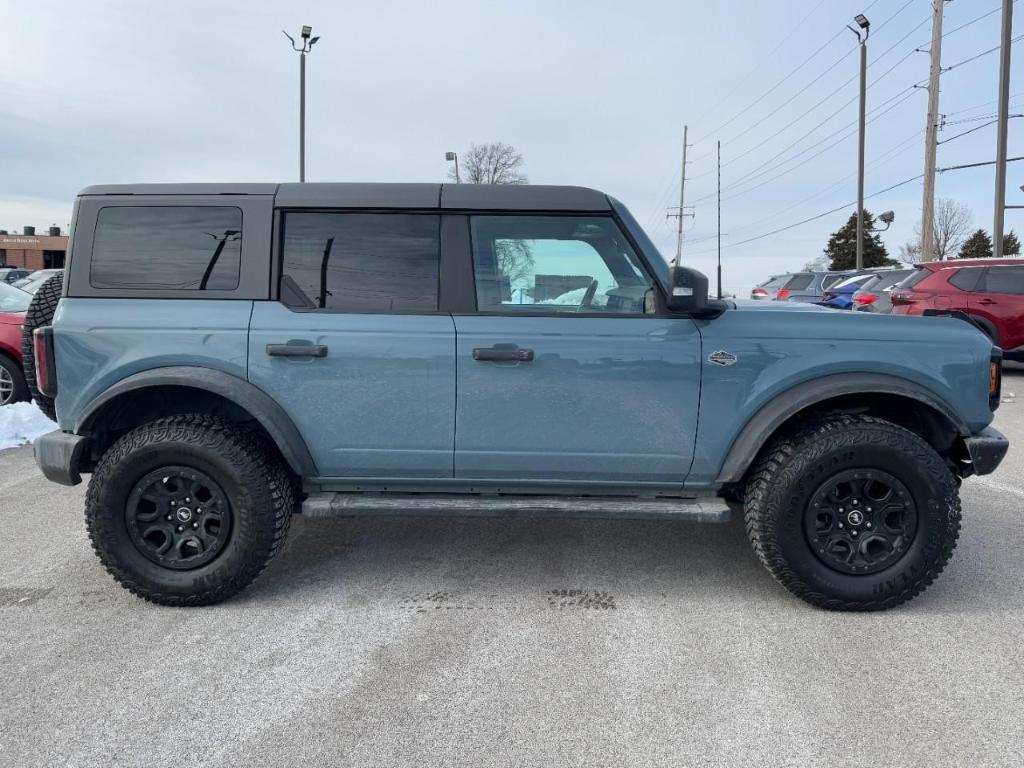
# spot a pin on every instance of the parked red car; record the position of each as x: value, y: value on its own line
x: 991, y: 291
x: 13, y: 303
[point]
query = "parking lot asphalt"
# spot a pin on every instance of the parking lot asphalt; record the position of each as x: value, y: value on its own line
x: 484, y: 642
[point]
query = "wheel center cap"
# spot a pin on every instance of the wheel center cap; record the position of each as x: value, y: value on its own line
x: 184, y: 514
x: 855, y: 517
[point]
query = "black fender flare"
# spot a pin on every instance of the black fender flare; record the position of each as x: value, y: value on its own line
x: 759, y: 429
x: 245, y: 395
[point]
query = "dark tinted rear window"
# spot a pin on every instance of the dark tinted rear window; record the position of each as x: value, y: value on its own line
x: 967, y: 278
x: 800, y: 281
x: 920, y: 274
x: 167, y: 248
x: 364, y: 262
x: 998, y: 279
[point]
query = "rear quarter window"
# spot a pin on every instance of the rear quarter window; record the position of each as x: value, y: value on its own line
x: 800, y: 281
x: 920, y: 274
x: 167, y: 248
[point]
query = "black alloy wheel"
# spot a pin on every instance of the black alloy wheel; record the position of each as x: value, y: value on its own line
x: 178, y: 517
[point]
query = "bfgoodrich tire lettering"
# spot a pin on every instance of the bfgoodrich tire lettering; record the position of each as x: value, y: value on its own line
x: 256, y: 486
x: 793, y: 469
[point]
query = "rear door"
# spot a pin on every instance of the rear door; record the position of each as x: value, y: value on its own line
x: 999, y: 297
x: 355, y: 348
x: 566, y: 372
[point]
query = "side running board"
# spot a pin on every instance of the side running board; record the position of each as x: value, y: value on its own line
x: 705, y: 509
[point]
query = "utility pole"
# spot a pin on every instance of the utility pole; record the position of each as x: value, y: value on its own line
x: 931, y: 135
x: 303, y: 49
x: 719, y: 146
x: 1004, y: 108
x: 682, y: 200
x: 865, y: 25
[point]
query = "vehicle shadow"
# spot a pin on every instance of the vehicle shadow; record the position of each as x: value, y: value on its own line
x: 503, y: 559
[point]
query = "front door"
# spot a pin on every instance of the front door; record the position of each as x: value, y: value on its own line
x: 566, y: 373
x: 999, y: 298
x: 356, y: 350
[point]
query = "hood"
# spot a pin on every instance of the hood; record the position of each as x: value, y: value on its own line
x: 779, y: 306
x: 12, y: 318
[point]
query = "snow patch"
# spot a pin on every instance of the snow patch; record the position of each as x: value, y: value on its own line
x: 21, y: 423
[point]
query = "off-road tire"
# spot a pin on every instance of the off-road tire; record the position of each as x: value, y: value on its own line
x: 19, y: 391
x: 40, y: 313
x: 257, y: 486
x: 785, y: 479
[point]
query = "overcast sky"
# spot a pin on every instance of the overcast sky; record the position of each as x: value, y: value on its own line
x: 592, y: 93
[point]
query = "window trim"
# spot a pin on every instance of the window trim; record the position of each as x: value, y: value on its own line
x: 277, y: 259
x: 660, y: 310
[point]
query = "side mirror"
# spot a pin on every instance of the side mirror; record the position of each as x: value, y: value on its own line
x: 688, y: 290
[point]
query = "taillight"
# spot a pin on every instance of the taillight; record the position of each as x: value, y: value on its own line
x: 759, y: 292
x: 46, y: 373
x: 782, y: 295
x: 995, y: 378
x: 909, y: 297
x: 865, y: 298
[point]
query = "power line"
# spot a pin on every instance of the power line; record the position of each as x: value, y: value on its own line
x: 822, y: 101
x: 771, y: 53
x: 820, y: 75
x: 978, y: 55
x: 758, y: 172
x: 976, y: 128
x: 897, y: 185
x: 821, y: 192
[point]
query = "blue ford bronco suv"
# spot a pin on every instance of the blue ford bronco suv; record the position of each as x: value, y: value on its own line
x: 220, y: 357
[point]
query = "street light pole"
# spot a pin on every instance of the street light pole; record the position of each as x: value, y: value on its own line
x: 865, y: 25
x: 305, y: 47
x: 1004, y: 108
x: 453, y: 156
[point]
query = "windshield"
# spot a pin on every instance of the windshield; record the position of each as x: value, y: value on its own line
x: 13, y: 299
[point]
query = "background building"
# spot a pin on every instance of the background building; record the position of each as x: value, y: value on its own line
x: 32, y: 251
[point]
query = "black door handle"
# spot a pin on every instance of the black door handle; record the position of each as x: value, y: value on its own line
x: 296, y: 350
x: 503, y: 353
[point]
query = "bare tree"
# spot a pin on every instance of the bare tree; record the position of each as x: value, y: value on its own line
x: 910, y: 252
x: 950, y: 228
x: 492, y: 163
x: 952, y: 225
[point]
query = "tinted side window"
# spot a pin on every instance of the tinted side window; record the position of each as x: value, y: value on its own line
x: 363, y: 262
x: 831, y: 281
x: 1003, y: 280
x: 800, y: 282
x: 556, y: 264
x: 920, y: 274
x: 967, y: 278
x: 167, y: 248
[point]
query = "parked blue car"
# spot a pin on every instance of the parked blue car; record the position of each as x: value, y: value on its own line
x: 840, y: 295
x: 220, y: 357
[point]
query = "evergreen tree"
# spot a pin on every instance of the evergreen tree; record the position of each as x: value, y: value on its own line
x: 842, y: 246
x: 1011, y: 245
x: 977, y: 246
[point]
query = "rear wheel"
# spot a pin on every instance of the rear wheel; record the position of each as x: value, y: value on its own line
x: 12, y: 381
x: 188, y: 510
x: 853, y: 513
x: 40, y: 313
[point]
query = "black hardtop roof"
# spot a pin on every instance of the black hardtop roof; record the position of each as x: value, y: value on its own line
x: 489, y: 197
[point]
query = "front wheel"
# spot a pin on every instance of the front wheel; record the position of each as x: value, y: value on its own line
x: 188, y: 510
x: 852, y: 513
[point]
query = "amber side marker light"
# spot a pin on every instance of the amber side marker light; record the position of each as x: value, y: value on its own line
x: 995, y: 381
